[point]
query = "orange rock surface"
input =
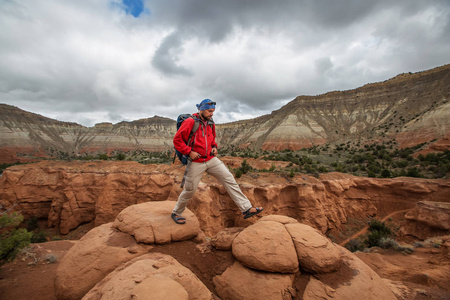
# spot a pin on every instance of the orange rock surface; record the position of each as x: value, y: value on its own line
x: 69, y: 194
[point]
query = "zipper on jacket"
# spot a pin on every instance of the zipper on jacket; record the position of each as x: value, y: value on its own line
x: 206, y: 138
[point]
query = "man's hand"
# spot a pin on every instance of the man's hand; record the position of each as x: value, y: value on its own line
x: 214, y: 152
x: 194, y: 155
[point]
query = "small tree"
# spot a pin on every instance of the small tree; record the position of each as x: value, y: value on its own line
x: 12, y: 238
x: 378, y: 231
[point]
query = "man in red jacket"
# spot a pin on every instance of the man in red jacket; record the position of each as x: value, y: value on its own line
x: 202, y: 153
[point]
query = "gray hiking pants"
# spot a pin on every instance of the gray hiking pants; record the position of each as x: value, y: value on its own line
x: 216, y: 168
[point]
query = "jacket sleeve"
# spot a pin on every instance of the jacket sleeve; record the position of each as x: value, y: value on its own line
x: 182, y: 135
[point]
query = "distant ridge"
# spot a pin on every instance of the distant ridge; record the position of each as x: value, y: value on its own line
x: 410, y: 108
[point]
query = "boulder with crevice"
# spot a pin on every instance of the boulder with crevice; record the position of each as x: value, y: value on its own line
x: 266, y: 246
x: 150, y: 276
x: 106, y: 247
x: 262, y: 271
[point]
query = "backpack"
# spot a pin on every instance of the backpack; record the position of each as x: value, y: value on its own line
x: 181, y: 118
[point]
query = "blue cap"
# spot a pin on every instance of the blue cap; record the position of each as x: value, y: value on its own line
x: 206, y: 104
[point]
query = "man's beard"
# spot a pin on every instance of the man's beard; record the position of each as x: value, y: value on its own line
x: 204, y: 118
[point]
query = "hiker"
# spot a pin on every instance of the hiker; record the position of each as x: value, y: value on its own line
x: 202, y: 153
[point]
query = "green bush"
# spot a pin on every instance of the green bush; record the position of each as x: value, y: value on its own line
x: 355, y: 245
x: 12, y: 238
x: 385, y: 173
x: 375, y: 225
x: 39, y: 237
x: 378, y: 232
x: 120, y: 156
x: 374, y: 238
x: 245, y: 167
x: 238, y: 173
x: 103, y: 156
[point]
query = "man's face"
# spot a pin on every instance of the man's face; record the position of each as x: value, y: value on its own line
x: 207, y: 114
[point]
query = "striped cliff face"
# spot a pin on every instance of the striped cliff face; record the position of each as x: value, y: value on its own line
x: 409, y: 108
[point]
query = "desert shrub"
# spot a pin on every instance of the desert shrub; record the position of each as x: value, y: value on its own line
x: 378, y: 231
x: 120, y: 156
x: 51, y: 258
x: 238, y: 173
x: 12, y: 238
x: 413, y: 172
x: 355, y: 245
x: 245, y: 167
x: 103, y: 156
x: 323, y: 169
x: 374, y: 238
x: 388, y: 243
x: 39, y: 237
x: 385, y: 173
x: 375, y: 225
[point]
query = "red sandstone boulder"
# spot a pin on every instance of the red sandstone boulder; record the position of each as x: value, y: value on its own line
x: 96, y: 254
x: 224, y: 239
x: 353, y: 280
x: 151, y: 223
x: 338, y: 273
x: 104, y: 248
x: 239, y: 282
x: 315, y: 252
x: 266, y: 246
x: 150, y: 276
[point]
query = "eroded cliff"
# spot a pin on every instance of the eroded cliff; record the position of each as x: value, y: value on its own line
x: 71, y: 194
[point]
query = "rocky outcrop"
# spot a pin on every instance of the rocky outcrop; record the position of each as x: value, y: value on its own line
x: 433, y: 214
x: 109, y: 263
x: 338, y: 274
x: 71, y: 194
x: 150, y: 276
x: 427, y: 219
x: 98, y: 253
x: 410, y: 108
x: 105, y: 248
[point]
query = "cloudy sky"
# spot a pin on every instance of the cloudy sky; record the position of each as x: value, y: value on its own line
x: 122, y: 60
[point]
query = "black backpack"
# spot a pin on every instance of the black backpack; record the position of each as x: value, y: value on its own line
x: 181, y: 118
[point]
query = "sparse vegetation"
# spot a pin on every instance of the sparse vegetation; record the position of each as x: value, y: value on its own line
x: 360, y: 158
x: 12, y: 238
x: 372, y: 160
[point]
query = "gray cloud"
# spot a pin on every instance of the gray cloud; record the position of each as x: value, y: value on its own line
x: 92, y: 62
x: 166, y: 58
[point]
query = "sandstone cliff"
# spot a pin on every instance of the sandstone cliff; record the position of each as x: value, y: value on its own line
x: 71, y: 194
x: 410, y: 108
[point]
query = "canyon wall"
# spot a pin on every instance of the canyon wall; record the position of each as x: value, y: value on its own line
x: 71, y: 194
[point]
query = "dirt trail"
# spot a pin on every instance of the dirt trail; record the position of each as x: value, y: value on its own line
x: 364, y: 230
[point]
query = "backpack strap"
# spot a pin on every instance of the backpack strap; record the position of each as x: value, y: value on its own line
x: 193, y: 131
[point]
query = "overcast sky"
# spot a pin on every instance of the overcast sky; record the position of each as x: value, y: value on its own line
x: 110, y: 61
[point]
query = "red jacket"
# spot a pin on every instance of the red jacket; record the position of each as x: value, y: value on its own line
x: 202, y: 141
